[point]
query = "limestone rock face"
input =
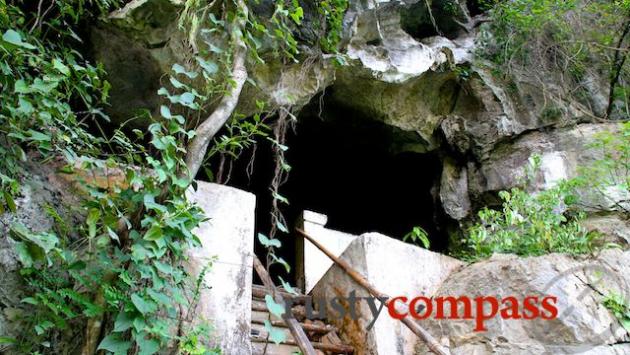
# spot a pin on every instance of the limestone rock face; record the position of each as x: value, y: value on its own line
x: 139, y: 44
x: 454, y: 190
x: 562, y: 152
x: 395, y: 78
x: 583, y: 324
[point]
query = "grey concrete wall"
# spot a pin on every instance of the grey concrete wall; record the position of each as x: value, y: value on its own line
x: 314, y: 263
x: 228, y: 235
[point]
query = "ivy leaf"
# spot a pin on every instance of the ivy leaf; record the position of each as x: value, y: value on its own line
x: 273, y: 307
x: 143, y: 305
x: 165, y: 112
x: 24, y: 254
x: 209, y: 66
x: 280, y: 198
x: 62, y: 68
x: 179, y: 69
x: 92, y: 218
x: 38, y: 136
x: 21, y: 87
x: 288, y: 287
x: 298, y: 15
x: 147, y: 346
x: 154, y: 233
x: 187, y: 99
x: 282, y: 262
x: 176, y: 83
x: 113, y: 343
x: 268, y: 242
x: 282, y: 227
x: 10, y: 36
x: 123, y: 322
x: 275, y: 334
x: 159, y: 297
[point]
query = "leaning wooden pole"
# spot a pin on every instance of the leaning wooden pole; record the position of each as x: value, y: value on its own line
x: 294, y: 326
x: 361, y: 280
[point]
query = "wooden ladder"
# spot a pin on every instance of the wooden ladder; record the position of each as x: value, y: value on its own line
x: 322, y: 336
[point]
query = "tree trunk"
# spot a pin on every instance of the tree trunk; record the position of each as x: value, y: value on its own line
x: 196, y: 150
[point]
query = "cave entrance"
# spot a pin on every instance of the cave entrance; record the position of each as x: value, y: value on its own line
x: 350, y: 168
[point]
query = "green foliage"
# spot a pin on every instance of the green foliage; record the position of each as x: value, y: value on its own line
x: 192, y: 343
x: 43, y: 86
x: 418, y: 236
x: 580, y: 38
x: 332, y: 12
x: 131, y: 254
x: 125, y: 262
x: 609, y: 176
x: 619, y: 307
x: 530, y: 224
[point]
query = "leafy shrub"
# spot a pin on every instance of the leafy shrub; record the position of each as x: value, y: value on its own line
x: 530, y: 224
x: 619, y: 307
x: 418, y: 236
x: 581, y: 38
x: 608, y: 178
x: 549, y: 221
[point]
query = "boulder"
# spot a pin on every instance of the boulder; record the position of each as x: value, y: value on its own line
x: 392, y: 267
x: 583, y: 324
x: 614, y: 228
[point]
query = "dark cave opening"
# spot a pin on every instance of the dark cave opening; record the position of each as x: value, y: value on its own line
x: 346, y: 166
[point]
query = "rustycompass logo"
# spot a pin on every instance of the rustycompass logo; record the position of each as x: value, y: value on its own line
x: 476, y: 309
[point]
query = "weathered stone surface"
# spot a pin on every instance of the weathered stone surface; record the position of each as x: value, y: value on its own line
x: 395, y: 78
x: 392, y: 267
x: 316, y: 263
x: 454, y: 190
x: 139, y: 44
x: 583, y: 323
x: 562, y: 151
x: 41, y: 189
x: 613, y: 228
x: 228, y: 235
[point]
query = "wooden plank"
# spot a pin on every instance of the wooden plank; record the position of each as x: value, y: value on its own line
x: 260, y: 292
x: 308, y: 327
x: 298, y: 333
x: 335, y: 348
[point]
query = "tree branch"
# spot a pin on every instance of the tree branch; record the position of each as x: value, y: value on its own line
x: 618, y: 63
